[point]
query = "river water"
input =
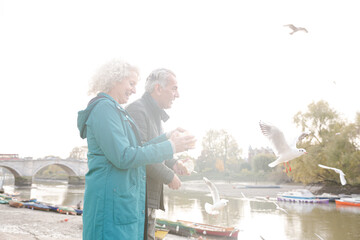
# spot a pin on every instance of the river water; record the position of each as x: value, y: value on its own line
x: 262, y: 220
x: 256, y: 219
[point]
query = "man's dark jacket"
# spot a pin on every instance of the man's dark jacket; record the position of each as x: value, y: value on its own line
x: 148, y: 116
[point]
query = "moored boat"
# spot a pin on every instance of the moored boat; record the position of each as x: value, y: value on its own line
x: 160, y: 232
x: 176, y: 228
x: 5, y: 196
x: 15, y: 194
x: 331, y: 197
x: 36, y: 206
x: 193, y: 229
x: 212, y: 230
x: 66, y: 210
x: 52, y: 207
x: 30, y: 200
x: 262, y: 186
x: 256, y: 186
x: 78, y: 211
x: 348, y: 202
x: 300, y: 196
x: 15, y: 204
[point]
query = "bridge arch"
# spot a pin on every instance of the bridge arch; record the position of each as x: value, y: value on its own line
x: 24, y: 169
x: 69, y: 170
x: 20, y: 179
x: 14, y: 171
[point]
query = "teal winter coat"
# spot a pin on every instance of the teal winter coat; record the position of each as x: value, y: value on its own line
x: 115, y: 185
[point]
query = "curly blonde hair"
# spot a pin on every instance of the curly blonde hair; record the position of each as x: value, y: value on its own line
x: 108, y: 74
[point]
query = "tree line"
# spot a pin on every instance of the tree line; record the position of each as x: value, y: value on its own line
x: 333, y: 141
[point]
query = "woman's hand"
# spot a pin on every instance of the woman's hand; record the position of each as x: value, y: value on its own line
x: 179, y: 129
x: 182, y: 141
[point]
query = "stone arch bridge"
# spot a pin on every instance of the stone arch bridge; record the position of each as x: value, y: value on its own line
x: 24, y: 169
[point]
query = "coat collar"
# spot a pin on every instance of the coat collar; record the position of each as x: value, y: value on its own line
x: 127, y: 115
x: 117, y: 105
x: 155, y: 108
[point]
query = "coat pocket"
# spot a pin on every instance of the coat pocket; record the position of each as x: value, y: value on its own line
x: 126, y: 206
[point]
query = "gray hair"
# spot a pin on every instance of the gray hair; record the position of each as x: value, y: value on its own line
x: 108, y: 74
x: 158, y: 76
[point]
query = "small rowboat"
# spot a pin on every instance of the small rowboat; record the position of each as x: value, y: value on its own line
x: 78, y: 211
x: 36, y: 206
x: 66, y: 210
x: 53, y: 208
x: 29, y: 200
x: 15, y: 204
x: 193, y: 229
x: 5, y: 196
x: 176, y: 228
x: 348, y: 202
x: 15, y: 194
x: 161, y: 233
x: 212, y: 230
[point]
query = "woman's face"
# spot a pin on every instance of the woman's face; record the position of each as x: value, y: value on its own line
x: 123, y: 90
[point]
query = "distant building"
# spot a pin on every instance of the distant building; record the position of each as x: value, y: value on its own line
x: 79, y: 153
x: 9, y: 156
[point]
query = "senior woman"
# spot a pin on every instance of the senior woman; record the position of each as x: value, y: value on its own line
x: 114, y: 199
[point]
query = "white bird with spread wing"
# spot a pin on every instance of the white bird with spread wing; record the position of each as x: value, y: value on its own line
x: 338, y: 171
x: 284, y: 151
x: 218, y: 203
x: 295, y: 29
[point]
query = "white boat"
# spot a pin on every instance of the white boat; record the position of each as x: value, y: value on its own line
x: 300, y: 196
x: 331, y: 197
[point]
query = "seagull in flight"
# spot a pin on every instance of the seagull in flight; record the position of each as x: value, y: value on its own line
x: 338, y: 171
x: 218, y: 203
x: 278, y: 207
x: 319, y: 236
x: 283, y: 150
x: 295, y: 29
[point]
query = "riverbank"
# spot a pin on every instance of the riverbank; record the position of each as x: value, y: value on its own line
x: 26, y: 224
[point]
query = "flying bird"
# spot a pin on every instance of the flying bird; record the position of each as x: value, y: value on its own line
x: 278, y: 207
x: 218, y: 203
x: 319, y: 236
x: 295, y: 29
x: 338, y: 171
x: 283, y: 150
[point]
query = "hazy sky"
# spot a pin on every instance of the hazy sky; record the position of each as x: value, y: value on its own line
x: 235, y: 62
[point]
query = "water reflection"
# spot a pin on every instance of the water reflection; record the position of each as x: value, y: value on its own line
x: 257, y: 218
x: 253, y: 217
x: 54, y: 192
